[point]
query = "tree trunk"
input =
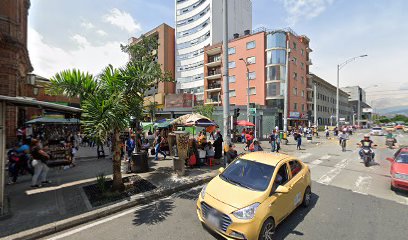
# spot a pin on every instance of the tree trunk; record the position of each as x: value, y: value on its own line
x: 117, y: 173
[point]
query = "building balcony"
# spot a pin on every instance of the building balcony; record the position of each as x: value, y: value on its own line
x: 309, y: 50
x: 214, y: 74
x: 213, y: 87
x: 214, y: 51
x: 214, y: 61
x: 210, y: 101
x: 309, y: 101
x: 309, y: 62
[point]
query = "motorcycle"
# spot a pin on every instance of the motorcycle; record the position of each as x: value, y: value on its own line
x: 390, y: 142
x: 343, y: 144
x: 367, y: 155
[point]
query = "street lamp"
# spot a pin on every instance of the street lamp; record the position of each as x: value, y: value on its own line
x: 246, y: 65
x: 340, y: 66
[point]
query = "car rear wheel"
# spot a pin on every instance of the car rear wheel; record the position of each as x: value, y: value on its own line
x: 307, y: 197
x: 393, y: 188
x: 268, y: 230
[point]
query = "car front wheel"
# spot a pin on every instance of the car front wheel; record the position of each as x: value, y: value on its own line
x: 307, y: 197
x: 268, y: 230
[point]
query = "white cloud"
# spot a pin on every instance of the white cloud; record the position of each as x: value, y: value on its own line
x: 87, y: 25
x: 101, y: 32
x: 123, y: 20
x: 80, y: 40
x: 304, y: 9
x: 48, y: 60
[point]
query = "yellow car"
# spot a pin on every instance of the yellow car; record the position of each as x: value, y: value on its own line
x: 389, y: 128
x: 253, y: 195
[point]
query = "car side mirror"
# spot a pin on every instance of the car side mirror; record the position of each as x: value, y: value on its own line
x: 282, y: 189
x: 390, y: 159
x: 221, y: 170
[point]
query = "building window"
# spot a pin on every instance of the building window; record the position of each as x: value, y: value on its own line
x: 276, y: 40
x: 252, y: 91
x: 295, y: 60
x: 276, y: 73
x: 250, y: 45
x: 295, y: 91
x: 251, y: 75
x: 295, y: 106
x: 295, y: 75
x: 294, y: 45
x: 232, y: 93
x: 303, y: 107
x: 231, y: 50
x: 303, y: 93
x: 276, y: 57
x: 302, y: 79
x: 231, y: 64
x: 302, y: 51
x: 232, y: 79
x: 302, y: 65
x: 251, y: 60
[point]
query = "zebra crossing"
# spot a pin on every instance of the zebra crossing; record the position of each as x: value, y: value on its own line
x: 348, y: 172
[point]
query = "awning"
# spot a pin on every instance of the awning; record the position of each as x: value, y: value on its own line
x: 45, y: 120
x: 31, y: 102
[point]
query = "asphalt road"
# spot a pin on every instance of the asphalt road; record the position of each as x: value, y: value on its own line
x: 349, y: 201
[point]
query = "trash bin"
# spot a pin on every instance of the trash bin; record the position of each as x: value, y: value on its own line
x: 139, y: 162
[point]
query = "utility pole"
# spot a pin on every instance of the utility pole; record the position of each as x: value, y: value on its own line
x: 315, y: 104
x: 226, y: 104
x: 286, y: 96
x: 337, y: 96
x: 248, y: 93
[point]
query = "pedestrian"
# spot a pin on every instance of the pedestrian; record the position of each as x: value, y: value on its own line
x: 39, y: 163
x: 255, y: 146
x: 327, y: 133
x: 299, y: 141
x: 272, y: 141
x: 13, y: 163
x: 218, y: 145
x: 278, y: 141
x: 243, y: 133
x: 157, y: 144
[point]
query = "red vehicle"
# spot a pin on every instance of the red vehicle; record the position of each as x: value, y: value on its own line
x: 399, y: 127
x: 399, y: 169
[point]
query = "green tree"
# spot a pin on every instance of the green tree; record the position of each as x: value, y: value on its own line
x: 110, y: 100
x: 205, y: 110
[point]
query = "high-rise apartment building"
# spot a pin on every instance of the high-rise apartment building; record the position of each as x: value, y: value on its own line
x: 199, y: 24
x: 260, y: 56
x: 165, y: 57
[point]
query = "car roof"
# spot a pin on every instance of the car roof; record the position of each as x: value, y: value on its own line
x: 267, y: 158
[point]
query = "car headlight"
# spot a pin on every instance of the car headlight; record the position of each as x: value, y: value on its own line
x: 247, y: 213
x: 401, y: 176
x: 203, y: 191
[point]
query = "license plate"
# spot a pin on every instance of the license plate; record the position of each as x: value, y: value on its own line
x: 213, y: 220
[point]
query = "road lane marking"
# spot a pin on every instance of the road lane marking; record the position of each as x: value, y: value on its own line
x: 329, y: 176
x: 314, y: 163
x: 325, y: 157
x: 108, y: 219
x: 362, y: 184
x: 305, y: 155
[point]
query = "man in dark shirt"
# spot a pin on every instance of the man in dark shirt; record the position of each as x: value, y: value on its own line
x: 366, y: 143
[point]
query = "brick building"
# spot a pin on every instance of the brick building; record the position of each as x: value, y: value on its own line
x: 263, y: 53
x: 14, y: 60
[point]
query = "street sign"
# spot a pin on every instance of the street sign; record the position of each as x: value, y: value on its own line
x: 294, y: 114
x: 252, y: 111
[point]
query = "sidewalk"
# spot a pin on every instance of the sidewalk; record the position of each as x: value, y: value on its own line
x: 64, y: 197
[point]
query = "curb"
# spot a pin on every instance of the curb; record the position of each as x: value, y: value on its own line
x: 140, y: 199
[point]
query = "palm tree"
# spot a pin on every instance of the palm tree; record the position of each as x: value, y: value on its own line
x: 113, y: 97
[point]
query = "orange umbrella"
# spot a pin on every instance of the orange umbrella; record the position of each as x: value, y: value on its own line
x: 210, y: 129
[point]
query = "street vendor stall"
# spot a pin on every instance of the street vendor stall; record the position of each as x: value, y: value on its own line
x: 185, y: 146
x: 54, y: 132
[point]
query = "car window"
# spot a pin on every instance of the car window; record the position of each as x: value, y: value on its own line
x: 248, y: 174
x: 377, y: 129
x: 281, y: 178
x: 402, y: 158
x: 295, y: 167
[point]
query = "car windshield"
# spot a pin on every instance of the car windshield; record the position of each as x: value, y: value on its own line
x: 248, y: 174
x: 402, y: 158
x: 376, y: 129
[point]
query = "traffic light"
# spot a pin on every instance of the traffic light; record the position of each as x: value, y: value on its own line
x: 236, y: 112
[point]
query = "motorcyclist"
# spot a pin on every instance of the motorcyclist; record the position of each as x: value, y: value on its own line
x: 343, y: 136
x: 390, y: 140
x: 366, y: 142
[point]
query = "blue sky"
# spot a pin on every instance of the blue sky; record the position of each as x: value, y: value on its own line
x: 87, y: 34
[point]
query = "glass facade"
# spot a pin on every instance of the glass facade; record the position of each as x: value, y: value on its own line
x: 194, y: 30
x: 275, y: 89
x: 277, y: 72
x: 193, y: 18
x: 194, y: 41
x: 277, y: 56
x: 276, y: 40
x: 189, y: 8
